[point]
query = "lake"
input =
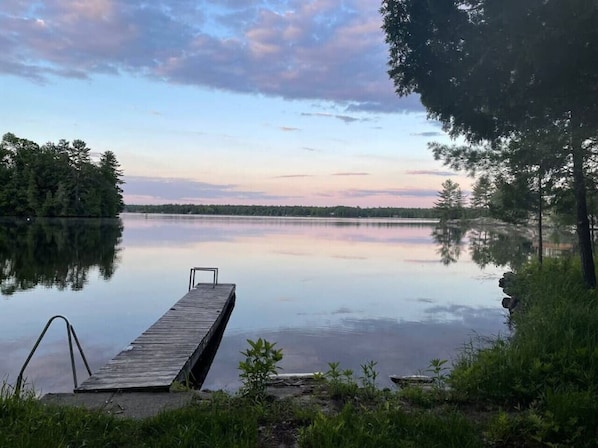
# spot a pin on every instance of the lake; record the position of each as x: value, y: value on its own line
x: 397, y: 292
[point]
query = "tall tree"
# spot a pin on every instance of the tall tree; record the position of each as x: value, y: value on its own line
x: 481, y: 194
x: 491, y: 69
x: 111, y: 175
x: 450, y: 201
x: 57, y: 180
x: 527, y: 171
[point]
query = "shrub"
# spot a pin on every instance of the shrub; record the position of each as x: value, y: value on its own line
x: 261, y: 361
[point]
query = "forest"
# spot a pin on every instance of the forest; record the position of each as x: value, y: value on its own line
x: 57, y: 180
x: 286, y: 210
x: 515, y: 83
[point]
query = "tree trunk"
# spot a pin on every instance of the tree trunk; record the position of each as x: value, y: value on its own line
x: 583, y: 223
x: 540, y: 212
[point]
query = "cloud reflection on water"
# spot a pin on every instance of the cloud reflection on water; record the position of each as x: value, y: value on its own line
x: 352, y: 293
x: 399, y: 347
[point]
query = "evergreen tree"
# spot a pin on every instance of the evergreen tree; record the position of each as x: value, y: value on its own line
x: 494, y: 69
x: 57, y: 180
x: 482, y: 194
x: 450, y: 201
x: 111, y: 175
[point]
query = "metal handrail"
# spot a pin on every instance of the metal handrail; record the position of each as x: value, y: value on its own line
x: 192, y: 276
x: 71, y: 334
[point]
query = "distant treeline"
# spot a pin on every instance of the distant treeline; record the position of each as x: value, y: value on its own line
x: 285, y: 210
x: 57, y: 180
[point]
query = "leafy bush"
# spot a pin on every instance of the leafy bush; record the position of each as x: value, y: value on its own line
x: 261, y: 361
x: 340, y: 382
x: 550, y: 362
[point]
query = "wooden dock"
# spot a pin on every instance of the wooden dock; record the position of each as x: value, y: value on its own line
x: 168, y: 350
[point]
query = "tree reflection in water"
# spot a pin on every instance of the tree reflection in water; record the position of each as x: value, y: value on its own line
x: 56, y: 252
x: 449, y: 237
x: 488, y: 245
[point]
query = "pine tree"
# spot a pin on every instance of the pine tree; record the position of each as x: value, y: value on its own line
x: 450, y: 201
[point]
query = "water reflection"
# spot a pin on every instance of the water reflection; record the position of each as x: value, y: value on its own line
x: 399, y: 347
x: 488, y: 245
x: 324, y: 292
x: 449, y: 238
x: 56, y: 252
x: 501, y: 247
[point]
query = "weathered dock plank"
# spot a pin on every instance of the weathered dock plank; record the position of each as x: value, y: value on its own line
x: 168, y: 350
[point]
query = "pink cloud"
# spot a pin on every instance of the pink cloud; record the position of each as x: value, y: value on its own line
x: 330, y: 50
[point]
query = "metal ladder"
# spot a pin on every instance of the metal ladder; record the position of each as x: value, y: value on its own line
x: 194, y: 270
x: 70, y: 334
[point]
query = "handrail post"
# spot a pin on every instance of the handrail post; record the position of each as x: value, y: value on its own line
x: 192, y: 276
x: 80, y: 350
x: 70, y: 338
x: 70, y: 334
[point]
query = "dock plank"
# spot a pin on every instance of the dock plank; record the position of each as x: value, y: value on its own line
x: 167, y: 351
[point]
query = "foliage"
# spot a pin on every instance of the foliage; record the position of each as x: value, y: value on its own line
x: 389, y: 427
x: 450, y: 201
x: 285, y: 210
x: 439, y: 373
x: 218, y: 423
x: 549, y: 365
x: 368, y: 377
x: 482, y: 194
x: 340, y: 382
x: 57, y: 180
x: 227, y: 421
x: 512, y: 202
x: 541, y: 59
x: 261, y: 361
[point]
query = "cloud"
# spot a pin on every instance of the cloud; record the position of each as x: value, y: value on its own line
x: 292, y: 176
x: 402, y: 192
x: 351, y: 174
x: 430, y: 173
x: 163, y: 190
x: 330, y: 50
x: 345, y: 118
x: 428, y: 134
x: 305, y: 148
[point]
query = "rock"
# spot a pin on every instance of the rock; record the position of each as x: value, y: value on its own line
x: 411, y: 380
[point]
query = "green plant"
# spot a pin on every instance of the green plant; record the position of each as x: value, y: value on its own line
x: 340, y: 382
x: 439, y: 375
x: 359, y: 427
x: 261, y: 361
x: 368, y: 379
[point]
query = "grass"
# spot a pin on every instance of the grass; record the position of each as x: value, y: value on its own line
x: 537, y: 388
x: 235, y: 421
x: 549, y: 367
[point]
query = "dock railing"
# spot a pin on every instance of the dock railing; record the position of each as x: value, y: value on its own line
x: 192, y: 272
x: 70, y: 331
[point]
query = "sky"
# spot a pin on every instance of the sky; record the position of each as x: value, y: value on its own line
x: 266, y: 102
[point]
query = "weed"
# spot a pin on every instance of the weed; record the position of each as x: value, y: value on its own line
x: 261, y: 361
x: 439, y: 375
x: 356, y: 427
x: 340, y: 382
x: 368, y: 378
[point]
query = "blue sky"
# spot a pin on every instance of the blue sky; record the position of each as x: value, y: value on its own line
x: 222, y: 101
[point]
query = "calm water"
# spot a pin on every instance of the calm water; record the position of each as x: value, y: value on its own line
x: 324, y: 290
